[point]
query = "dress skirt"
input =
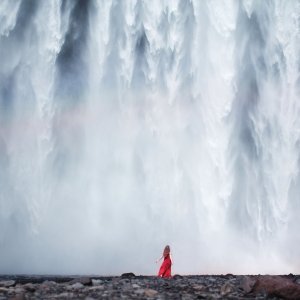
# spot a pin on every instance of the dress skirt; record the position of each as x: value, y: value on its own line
x: 165, y: 268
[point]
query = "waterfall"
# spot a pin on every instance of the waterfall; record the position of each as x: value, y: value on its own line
x: 129, y: 125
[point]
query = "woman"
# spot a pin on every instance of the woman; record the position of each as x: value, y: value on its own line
x: 165, y: 268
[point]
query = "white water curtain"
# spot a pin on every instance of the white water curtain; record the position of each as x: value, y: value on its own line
x: 129, y: 125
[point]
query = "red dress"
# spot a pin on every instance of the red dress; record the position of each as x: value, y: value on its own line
x: 165, y: 268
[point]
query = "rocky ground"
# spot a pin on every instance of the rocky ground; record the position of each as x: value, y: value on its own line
x: 129, y: 286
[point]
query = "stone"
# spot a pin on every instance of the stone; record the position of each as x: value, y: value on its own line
x: 19, y: 290
x: 135, y: 286
x: 176, y: 276
x: 96, y: 288
x: 247, y: 283
x: 96, y: 282
x: 65, y: 295
x: 30, y: 287
x: 150, y: 292
x: 128, y: 275
x: 226, y: 289
x: 77, y: 286
x: 199, y: 287
x: 276, y: 286
x: 3, y: 290
x: 139, y: 291
x: 49, y: 283
x: 7, y: 283
x: 82, y: 280
x: 62, y: 295
x: 20, y: 296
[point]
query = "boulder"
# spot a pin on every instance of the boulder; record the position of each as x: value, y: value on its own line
x: 30, y: 287
x: 247, y: 283
x: 82, y: 280
x: 150, y: 292
x: 77, y: 286
x: 128, y: 275
x: 96, y: 282
x: 276, y: 286
x: 49, y: 283
x: 226, y: 289
x: 7, y: 283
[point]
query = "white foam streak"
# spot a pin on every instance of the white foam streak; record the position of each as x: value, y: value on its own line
x: 128, y: 125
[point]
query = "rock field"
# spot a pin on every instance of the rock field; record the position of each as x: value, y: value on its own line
x: 129, y: 286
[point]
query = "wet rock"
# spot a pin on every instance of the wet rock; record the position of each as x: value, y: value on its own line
x: 82, y: 280
x: 19, y: 290
x: 65, y: 295
x: 76, y: 286
x: 96, y: 282
x: 276, y: 286
x: 199, y: 287
x: 128, y: 275
x: 49, y: 283
x: 139, y: 291
x: 3, y: 290
x: 177, y: 276
x: 96, y: 288
x: 20, y: 296
x: 30, y: 287
x: 7, y: 283
x: 247, y: 283
x: 226, y: 289
x: 150, y: 292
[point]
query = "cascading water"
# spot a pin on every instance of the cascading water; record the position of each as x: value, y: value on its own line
x: 128, y: 125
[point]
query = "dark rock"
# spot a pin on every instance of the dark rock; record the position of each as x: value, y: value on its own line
x: 200, y: 287
x: 48, y: 283
x: 7, y: 283
x: 82, y: 280
x: 176, y: 276
x: 247, y: 283
x: 20, y: 296
x: 30, y: 287
x: 3, y: 290
x: 128, y: 275
x: 226, y: 289
x: 19, y: 290
x: 276, y: 286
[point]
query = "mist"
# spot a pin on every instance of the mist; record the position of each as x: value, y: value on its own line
x: 129, y: 125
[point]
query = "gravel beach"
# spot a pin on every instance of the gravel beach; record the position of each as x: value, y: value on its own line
x: 129, y: 286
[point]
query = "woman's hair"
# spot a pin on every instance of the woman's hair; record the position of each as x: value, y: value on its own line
x: 166, y: 251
